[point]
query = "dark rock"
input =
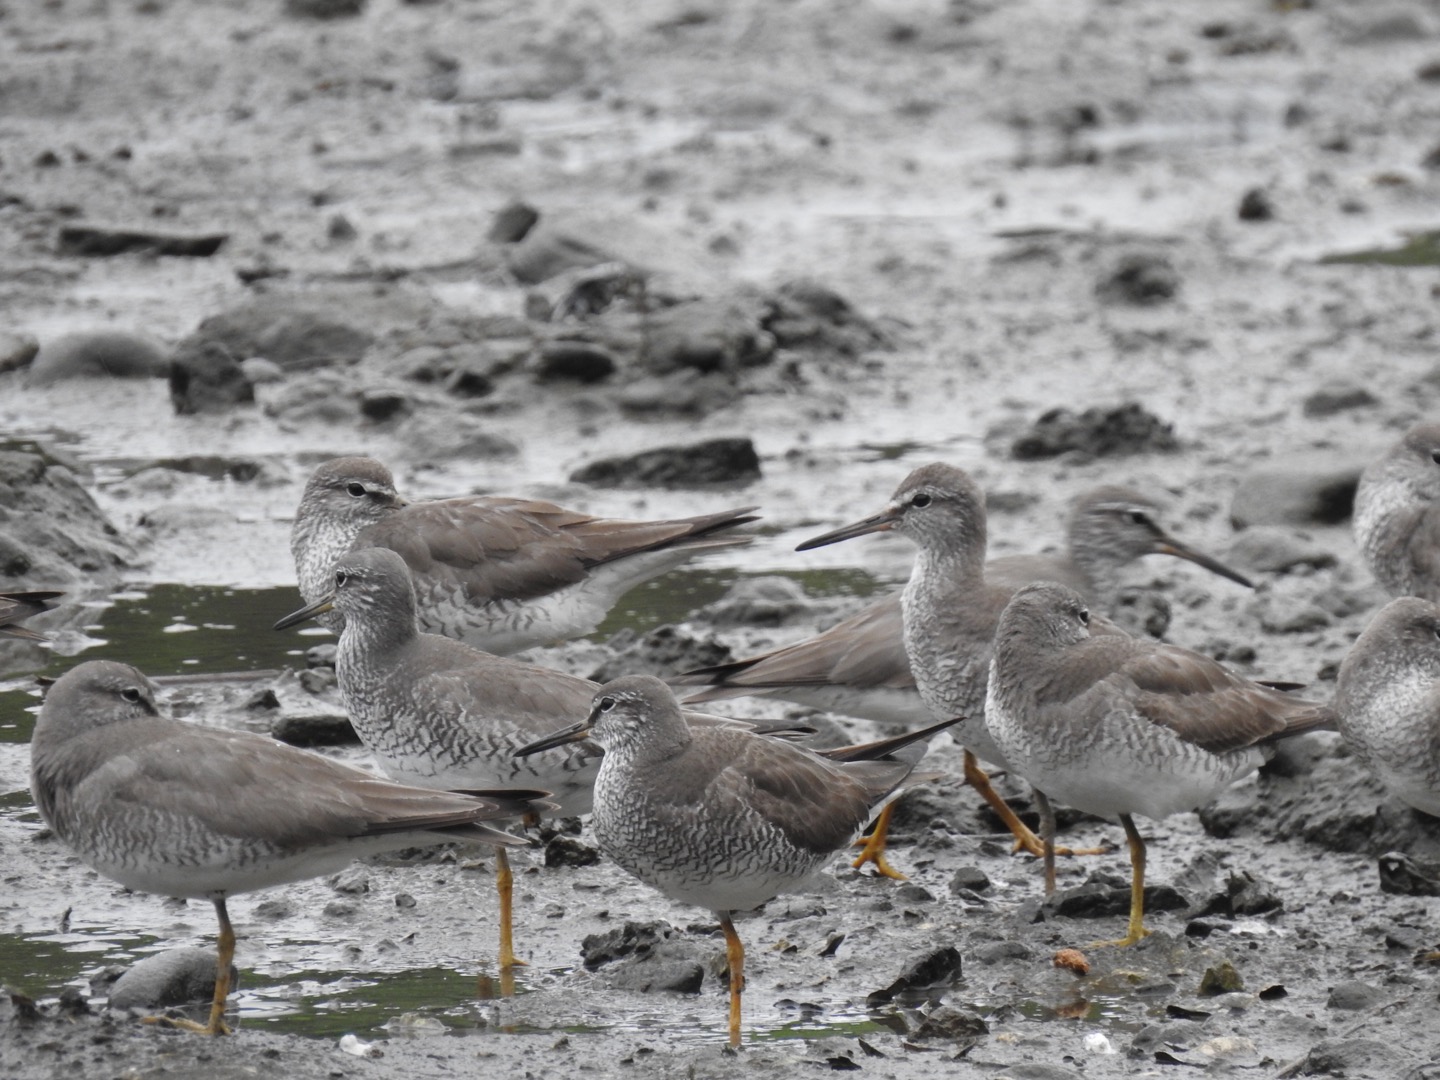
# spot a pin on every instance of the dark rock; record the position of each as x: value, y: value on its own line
x: 564, y: 851
x: 1354, y: 995
x: 1355, y: 1058
x: 298, y: 334
x: 934, y: 970
x: 467, y: 437
x: 1104, y: 896
x: 382, y: 403
x: 262, y: 699
x: 1096, y: 432
x: 666, y: 650
x: 206, y: 378
x: 101, y: 353
x: 1036, y: 1070
x: 1244, y: 895
x: 468, y: 381
x: 1221, y: 978
x: 51, y: 531
x: 213, y: 466
x: 597, y: 950
x: 948, y: 1022
x: 17, y: 350
x: 1255, y: 205
x: 995, y: 951
x: 276, y: 909
x: 1273, y: 549
x: 689, y: 394
x: 72, y: 1002
x: 1329, y: 400
x: 1141, y: 610
x: 1311, y: 489
x: 807, y: 316
x: 575, y: 361
x: 716, y: 461
x: 316, y: 680
x: 102, y: 240
x: 316, y: 729
x: 173, y: 977
x: 324, y: 9
x: 512, y: 222
x: 721, y: 334
x: 1139, y: 278
x: 969, y: 877
x: 1402, y: 875
x: 673, y: 965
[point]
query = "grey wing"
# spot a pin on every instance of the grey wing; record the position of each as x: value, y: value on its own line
x: 251, y: 788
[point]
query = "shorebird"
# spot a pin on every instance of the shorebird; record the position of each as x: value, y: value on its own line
x: 438, y: 713
x: 500, y: 573
x: 1388, y: 699
x: 1117, y: 726
x: 950, y: 611
x: 16, y: 607
x: 1397, y: 515
x: 722, y: 818
x: 166, y: 807
x: 859, y: 667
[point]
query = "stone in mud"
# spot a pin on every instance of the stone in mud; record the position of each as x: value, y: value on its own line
x: 1104, y: 896
x: 808, y: 316
x: 1256, y: 205
x: 466, y: 437
x: 106, y: 240
x: 51, y: 531
x: 324, y: 9
x: 1309, y: 489
x: 1353, y: 995
x: 1244, y: 895
x: 317, y: 397
x: 952, y: 1024
x: 1140, y: 610
x: 206, y: 378
x: 1139, y: 278
x: 1097, y: 432
x: 721, y: 334
x: 565, y: 851
x: 315, y: 729
x: 666, y: 650
x: 380, y: 404
x: 114, y: 354
x: 597, y: 950
x: 298, y: 334
x: 1402, y: 875
x: 1221, y: 978
x: 574, y: 361
x: 934, y: 970
x: 969, y: 878
x: 1337, y: 398
x: 715, y: 461
x: 512, y: 222
x: 17, y: 350
x: 1275, y: 549
x: 171, y: 978
x: 676, y: 965
x: 691, y: 395
x: 1356, y: 1058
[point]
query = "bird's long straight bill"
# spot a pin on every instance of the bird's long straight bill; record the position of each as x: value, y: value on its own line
x: 309, y: 611
x: 881, y: 522
x: 574, y: 733
x: 1215, y: 566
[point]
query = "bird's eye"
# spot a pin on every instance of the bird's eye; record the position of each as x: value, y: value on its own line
x: 920, y: 500
x: 1135, y: 517
x: 356, y: 488
x: 1084, y: 617
x: 606, y: 704
x: 340, y: 578
x: 130, y: 694
x: 1435, y: 455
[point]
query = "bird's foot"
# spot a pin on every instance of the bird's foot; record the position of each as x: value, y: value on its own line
x: 874, y: 852
x: 1129, y: 939
x: 216, y: 1026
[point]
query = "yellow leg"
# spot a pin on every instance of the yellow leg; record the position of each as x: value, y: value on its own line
x: 224, y: 958
x: 735, y: 957
x: 505, y: 884
x: 1025, y: 840
x: 1047, y: 837
x: 873, y: 846
x: 1136, y: 929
